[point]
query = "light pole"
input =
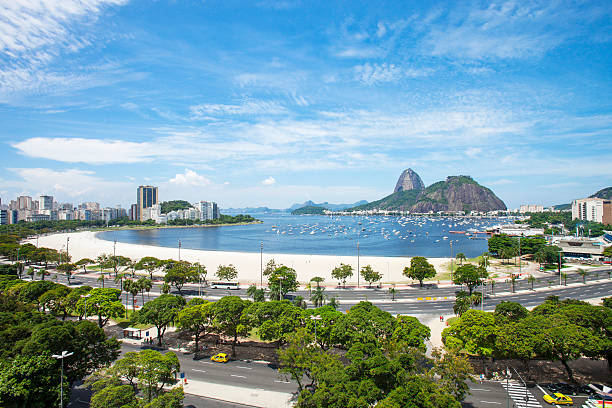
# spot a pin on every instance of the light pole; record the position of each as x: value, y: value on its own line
x: 67, y: 254
x: 86, y: 296
x: 280, y: 288
x: 508, y: 375
x: 199, y: 281
x: 179, y: 249
x: 358, y: 235
x: 261, y: 264
x: 526, y: 398
x: 115, y: 256
x: 451, y: 254
x: 315, y: 318
x: 559, y: 268
x: 62, y: 357
x: 520, y: 265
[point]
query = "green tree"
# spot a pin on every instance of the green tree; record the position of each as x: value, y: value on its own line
x: 584, y: 274
x: 364, y: 323
x: 419, y: 269
x: 296, y: 359
x: 114, y: 396
x: 228, y: 312
x: 318, y: 280
x: 84, y: 262
x: 409, y: 332
x: 318, y: 297
x: 181, y: 273
x: 460, y: 257
x: 29, y: 381
x: 470, y: 275
x: 473, y: 332
x: 451, y: 371
x: 392, y: 292
x: 510, y: 311
x: 56, y: 301
x: 227, y: 272
x: 274, y: 319
x: 149, y: 264
x: 144, y: 284
x: 104, y: 303
x: 258, y: 294
x: 370, y: 275
x: 160, y: 312
x: 282, y: 281
x: 608, y: 252
x: 197, y: 320
x: 171, y: 399
x: 342, y: 272
x: 68, y: 269
x: 531, y: 279
x: 325, y: 326
x: 132, y: 287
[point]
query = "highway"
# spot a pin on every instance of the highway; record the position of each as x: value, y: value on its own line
x: 429, y: 300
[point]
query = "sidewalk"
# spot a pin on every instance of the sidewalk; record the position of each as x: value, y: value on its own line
x: 239, y: 395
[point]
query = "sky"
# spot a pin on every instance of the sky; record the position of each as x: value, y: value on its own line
x: 269, y: 103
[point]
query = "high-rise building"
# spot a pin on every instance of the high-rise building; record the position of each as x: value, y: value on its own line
x: 592, y: 209
x: 146, y: 198
x: 133, y: 212
x: 208, y: 210
x: 4, y: 217
x: 45, y: 203
x: 24, y: 203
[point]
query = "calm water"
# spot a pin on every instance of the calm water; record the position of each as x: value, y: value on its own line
x: 324, y: 235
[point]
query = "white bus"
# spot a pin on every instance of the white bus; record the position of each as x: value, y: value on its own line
x: 224, y: 285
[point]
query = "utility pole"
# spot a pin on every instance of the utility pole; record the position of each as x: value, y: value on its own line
x: 559, y: 268
x: 67, y: 253
x: 520, y: 268
x: 451, y: 254
x: 358, y: 235
x: 179, y: 249
x: 261, y: 264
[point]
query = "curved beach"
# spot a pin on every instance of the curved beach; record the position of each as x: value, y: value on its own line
x: 86, y: 244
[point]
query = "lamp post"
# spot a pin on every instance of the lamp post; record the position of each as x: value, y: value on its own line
x: 67, y: 253
x: 315, y: 318
x: 86, y: 296
x: 261, y: 264
x: 280, y: 288
x: 358, y: 236
x: 520, y: 260
x: 179, y: 249
x: 559, y: 268
x: 62, y: 357
x: 451, y: 256
x: 115, y: 256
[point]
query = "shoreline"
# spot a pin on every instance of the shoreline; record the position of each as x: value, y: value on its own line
x: 85, y: 244
x: 165, y: 226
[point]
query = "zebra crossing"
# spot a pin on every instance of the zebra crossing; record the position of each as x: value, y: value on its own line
x: 518, y: 392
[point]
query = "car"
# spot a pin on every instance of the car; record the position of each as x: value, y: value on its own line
x: 220, y: 358
x: 558, y: 399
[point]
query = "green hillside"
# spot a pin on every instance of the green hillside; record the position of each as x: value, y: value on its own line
x: 605, y: 193
x: 174, y: 205
x: 309, y: 209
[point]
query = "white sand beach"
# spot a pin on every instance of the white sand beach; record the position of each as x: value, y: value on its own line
x: 86, y: 245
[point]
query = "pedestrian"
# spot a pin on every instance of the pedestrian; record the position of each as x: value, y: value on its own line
x: 481, y: 378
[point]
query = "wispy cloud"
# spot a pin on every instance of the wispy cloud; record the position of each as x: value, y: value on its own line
x: 249, y: 107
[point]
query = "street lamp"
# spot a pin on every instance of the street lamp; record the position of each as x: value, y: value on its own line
x: 67, y: 254
x: 62, y: 357
x: 451, y: 254
x: 86, y: 296
x: 261, y: 265
x: 358, y: 235
x: 315, y: 318
x: 280, y: 287
x: 179, y: 249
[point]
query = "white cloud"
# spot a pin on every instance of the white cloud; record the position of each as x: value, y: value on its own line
x: 372, y: 73
x: 473, y: 151
x: 269, y: 181
x: 249, y: 107
x: 92, y: 151
x: 70, y: 184
x: 501, y: 182
x: 189, y: 178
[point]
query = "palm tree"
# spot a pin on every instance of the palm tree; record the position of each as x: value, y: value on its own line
x: 564, y: 276
x: 300, y: 302
x: 540, y: 257
x: 318, y: 297
x: 513, y: 278
x: 583, y: 273
x: 101, y: 279
x: 531, y: 279
x: 132, y: 287
x: 119, y: 279
x: 392, y: 292
x: 144, y: 284
x: 318, y: 280
x: 460, y: 258
x: 333, y: 302
x: 309, y: 287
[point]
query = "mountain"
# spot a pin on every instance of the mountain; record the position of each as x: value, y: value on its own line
x: 409, y: 180
x: 603, y: 193
x: 308, y: 210
x: 331, y: 207
x: 562, y: 207
x: 456, y: 193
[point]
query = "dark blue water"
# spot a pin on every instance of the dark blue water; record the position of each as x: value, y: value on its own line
x: 324, y: 235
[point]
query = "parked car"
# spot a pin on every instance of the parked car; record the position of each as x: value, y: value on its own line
x: 220, y: 358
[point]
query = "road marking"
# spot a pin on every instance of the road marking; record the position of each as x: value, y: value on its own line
x: 246, y: 368
x: 490, y: 402
x: 238, y: 376
x: 284, y: 382
x: 479, y: 389
x: 199, y: 371
x: 207, y: 362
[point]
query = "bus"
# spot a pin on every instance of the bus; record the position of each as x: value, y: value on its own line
x: 224, y: 285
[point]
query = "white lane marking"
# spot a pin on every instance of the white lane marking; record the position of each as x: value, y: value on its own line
x: 284, y: 382
x: 207, y: 362
x: 246, y: 368
x: 238, y: 376
x: 491, y: 402
x: 199, y: 371
x: 479, y: 389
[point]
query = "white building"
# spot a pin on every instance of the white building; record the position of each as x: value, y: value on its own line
x: 592, y: 209
x: 45, y: 203
x: 531, y: 208
x: 208, y: 210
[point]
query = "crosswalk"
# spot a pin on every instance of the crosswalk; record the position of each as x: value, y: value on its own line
x: 522, y: 397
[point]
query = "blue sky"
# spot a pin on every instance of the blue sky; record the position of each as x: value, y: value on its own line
x: 271, y: 103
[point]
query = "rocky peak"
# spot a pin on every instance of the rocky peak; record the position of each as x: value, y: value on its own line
x: 409, y: 180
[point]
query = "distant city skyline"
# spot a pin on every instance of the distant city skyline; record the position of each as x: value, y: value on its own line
x: 273, y: 103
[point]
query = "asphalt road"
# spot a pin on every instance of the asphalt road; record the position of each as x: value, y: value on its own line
x: 432, y: 306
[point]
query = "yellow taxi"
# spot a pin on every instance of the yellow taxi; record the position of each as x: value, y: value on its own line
x: 558, y: 398
x: 220, y: 358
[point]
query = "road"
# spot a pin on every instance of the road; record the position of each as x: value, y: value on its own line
x: 432, y: 297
